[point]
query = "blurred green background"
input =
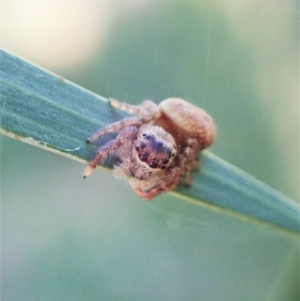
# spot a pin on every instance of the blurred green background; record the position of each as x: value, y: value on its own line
x: 68, y: 239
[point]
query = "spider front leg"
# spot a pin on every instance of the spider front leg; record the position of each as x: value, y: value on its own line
x: 125, y: 136
x: 168, y: 183
x: 115, y: 126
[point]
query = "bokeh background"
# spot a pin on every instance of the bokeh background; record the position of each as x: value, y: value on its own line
x: 68, y: 239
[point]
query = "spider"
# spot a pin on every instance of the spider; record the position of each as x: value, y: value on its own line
x: 157, y: 146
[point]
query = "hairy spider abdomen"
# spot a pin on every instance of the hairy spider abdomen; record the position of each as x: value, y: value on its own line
x: 184, y: 120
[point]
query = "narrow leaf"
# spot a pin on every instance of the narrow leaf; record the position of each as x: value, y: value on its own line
x: 46, y: 110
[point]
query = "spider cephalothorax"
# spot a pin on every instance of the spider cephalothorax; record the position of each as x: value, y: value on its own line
x: 156, y: 146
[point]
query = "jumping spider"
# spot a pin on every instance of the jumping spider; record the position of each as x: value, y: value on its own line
x: 157, y: 146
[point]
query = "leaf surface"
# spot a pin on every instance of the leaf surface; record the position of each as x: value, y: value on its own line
x: 47, y: 111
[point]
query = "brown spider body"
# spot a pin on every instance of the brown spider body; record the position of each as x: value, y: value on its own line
x: 158, y: 145
x: 185, y: 121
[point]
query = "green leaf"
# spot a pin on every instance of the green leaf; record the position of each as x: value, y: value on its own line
x: 47, y: 111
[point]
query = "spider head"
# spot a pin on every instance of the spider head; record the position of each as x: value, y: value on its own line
x: 154, y: 147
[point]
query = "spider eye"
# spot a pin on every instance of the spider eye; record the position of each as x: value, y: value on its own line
x: 137, y: 148
x: 165, y: 161
x: 142, y: 145
x: 144, y: 157
x: 153, y: 164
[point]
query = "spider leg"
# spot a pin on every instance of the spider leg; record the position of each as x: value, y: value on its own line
x: 168, y: 183
x: 127, y: 134
x: 148, y: 110
x: 189, y: 160
x: 115, y: 126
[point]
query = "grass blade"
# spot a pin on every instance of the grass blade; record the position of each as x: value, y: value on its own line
x: 45, y: 110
